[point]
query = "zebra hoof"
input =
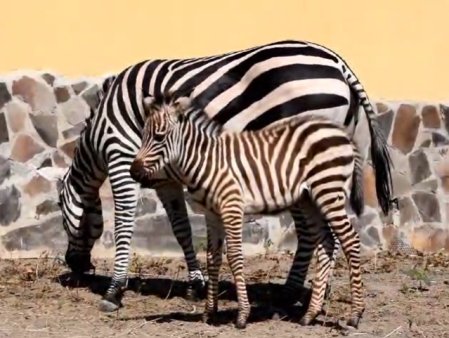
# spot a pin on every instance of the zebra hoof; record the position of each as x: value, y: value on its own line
x: 240, y: 324
x: 111, y: 302
x: 195, y: 290
x: 354, y: 321
x: 308, y: 319
x: 305, y: 321
x: 210, y: 318
x: 79, y: 263
x: 108, y: 306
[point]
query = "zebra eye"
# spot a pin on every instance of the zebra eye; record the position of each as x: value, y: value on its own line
x: 158, y: 137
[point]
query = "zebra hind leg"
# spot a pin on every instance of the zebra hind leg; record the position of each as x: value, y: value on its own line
x: 306, y: 239
x: 82, y: 240
x: 333, y: 209
x: 320, y: 286
x: 232, y: 217
x: 309, y: 226
x: 215, y: 237
x: 171, y: 195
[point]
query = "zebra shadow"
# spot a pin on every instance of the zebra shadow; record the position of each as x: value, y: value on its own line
x: 268, y: 300
x: 167, y: 288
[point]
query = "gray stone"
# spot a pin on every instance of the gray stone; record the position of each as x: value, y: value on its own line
x: 50, y: 79
x: 382, y: 107
x: 39, y: 95
x: 9, y: 205
x: 286, y: 220
x: 46, y: 163
x: 445, y: 112
x: 401, y: 183
x: 419, y: 166
x: 367, y: 241
x: 47, y: 128
x: 62, y: 94
x: 408, y: 211
x: 365, y: 220
x: 439, y: 139
x: 17, y: 113
x: 79, y: 87
x: 74, y: 131
x: 386, y: 121
x: 428, y: 206
x: 108, y: 239
x: 4, y: 136
x: 373, y: 233
x: 45, y: 234
x: 5, y: 169
x: 426, y: 144
x: 430, y: 185
x: 154, y: 233
x: 91, y: 97
x: 75, y: 110
x: 59, y: 160
x: 146, y: 205
x: 46, y: 207
x: 254, y: 233
x: 5, y: 96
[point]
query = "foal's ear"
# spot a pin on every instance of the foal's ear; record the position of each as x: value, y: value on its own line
x: 181, y: 104
x: 148, y: 102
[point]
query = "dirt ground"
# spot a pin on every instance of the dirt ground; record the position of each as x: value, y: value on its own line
x: 405, y: 297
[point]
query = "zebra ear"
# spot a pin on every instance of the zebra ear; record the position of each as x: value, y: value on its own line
x: 183, y: 103
x: 148, y: 102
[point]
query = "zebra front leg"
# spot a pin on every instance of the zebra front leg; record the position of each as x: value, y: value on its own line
x: 171, y: 195
x: 333, y: 209
x: 232, y: 217
x: 82, y: 220
x: 215, y: 237
x: 125, y: 191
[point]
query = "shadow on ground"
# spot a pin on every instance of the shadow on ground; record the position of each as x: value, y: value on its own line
x: 268, y: 300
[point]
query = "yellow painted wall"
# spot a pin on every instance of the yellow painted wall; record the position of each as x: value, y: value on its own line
x: 398, y: 48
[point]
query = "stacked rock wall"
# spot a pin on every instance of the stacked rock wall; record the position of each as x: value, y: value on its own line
x: 42, y: 114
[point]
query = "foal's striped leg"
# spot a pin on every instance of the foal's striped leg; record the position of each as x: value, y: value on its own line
x: 232, y: 216
x: 326, y: 248
x: 333, y: 209
x: 215, y: 238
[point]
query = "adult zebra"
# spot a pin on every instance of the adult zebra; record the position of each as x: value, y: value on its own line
x: 265, y: 84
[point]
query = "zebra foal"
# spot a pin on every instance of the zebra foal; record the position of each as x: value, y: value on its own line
x: 256, y: 172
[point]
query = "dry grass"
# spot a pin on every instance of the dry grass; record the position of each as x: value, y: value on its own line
x: 38, y: 299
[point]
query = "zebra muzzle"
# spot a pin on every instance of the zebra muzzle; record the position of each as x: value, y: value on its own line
x: 138, y: 172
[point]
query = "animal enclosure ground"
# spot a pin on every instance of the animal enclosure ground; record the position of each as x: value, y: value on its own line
x: 405, y: 297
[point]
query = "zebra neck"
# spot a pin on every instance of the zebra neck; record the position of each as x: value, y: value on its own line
x: 199, y: 154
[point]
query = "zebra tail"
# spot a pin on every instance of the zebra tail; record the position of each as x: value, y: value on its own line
x: 380, y: 155
x: 356, y: 198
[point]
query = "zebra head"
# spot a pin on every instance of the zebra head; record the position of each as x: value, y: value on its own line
x: 160, y: 136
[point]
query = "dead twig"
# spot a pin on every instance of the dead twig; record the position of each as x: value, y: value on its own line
x: 394, y: 331
x: 172, y: 283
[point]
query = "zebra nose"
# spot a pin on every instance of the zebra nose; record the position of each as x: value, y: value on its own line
x: 137, y: 170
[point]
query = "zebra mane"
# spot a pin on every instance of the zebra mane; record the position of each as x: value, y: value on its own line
x: 100, y: 94
x: 194, y: 110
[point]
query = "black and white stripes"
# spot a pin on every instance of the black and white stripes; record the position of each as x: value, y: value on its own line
x: 243, y: 90
x: 258, y: 172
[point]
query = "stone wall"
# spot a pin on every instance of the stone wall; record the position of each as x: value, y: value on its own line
x: 42, y: 114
